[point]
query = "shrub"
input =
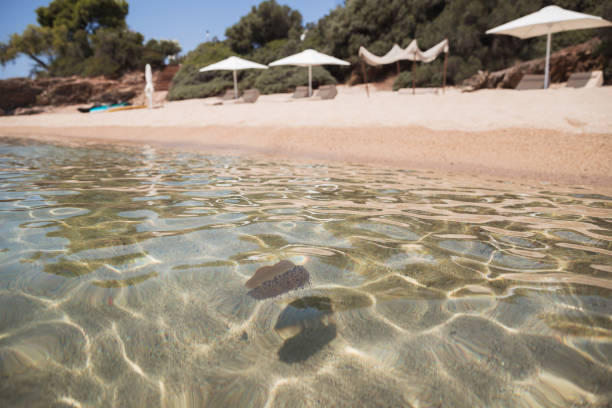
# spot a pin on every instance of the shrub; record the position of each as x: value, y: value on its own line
x: 201, y: 90
x: 190, y: 83
x: 285, y: 79
x: 426, y: 75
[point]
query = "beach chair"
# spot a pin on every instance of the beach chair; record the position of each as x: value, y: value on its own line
x: 300, y: 92
x: 229, y: 94
x: 585, y: 79
x: 327, y: 91
x: 531, y: 82
x: 250, y: 95
x: 418, y: 91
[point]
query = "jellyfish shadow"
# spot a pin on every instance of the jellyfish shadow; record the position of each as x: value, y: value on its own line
x: 306, y: 344
x: 308, y: 315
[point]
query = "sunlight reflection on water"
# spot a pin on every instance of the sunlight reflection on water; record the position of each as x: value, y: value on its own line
x: 122, y: 283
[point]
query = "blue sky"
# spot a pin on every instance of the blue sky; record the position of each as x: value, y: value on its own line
x: 182, y: 20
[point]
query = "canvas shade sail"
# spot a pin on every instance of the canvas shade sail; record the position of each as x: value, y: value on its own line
x: 432, y: 53
x: 233, y: 64
x: 547, y: 21
x: 309, y: 58
x: 411, y: 53
x: 394, y: 55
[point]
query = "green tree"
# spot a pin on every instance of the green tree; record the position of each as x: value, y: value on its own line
x: 85, y: 37
x: 267, y: 22
x: 156, y: 51
x: 86, y: 15
x: 114, y: 51
x: 35, y: 42
x: 378, y: 24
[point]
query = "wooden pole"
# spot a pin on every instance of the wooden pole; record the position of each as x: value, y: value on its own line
x: 365, y: 78
x: 309, y: 80
x: 547, y: 67
x: 235, y: 86
x: 413, y: 64
x: 398, y: 69
x: 444, y: 76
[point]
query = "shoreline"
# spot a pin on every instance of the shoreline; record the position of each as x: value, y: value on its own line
x: 514, y: 154
x: 561, y: 136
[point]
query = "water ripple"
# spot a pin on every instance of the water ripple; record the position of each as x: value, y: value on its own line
x: 123, y: 271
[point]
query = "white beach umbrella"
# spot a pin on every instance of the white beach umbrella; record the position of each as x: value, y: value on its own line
x: 233, y: 64
x: 309, y: 58
x: 547, y: 21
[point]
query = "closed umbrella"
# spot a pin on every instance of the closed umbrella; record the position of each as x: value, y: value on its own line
x: 149, y: 86
x: 309, y: 58
x: 233, y: 64
x: 547, y: 21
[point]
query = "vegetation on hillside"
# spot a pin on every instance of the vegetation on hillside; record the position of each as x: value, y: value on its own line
x: 269, y: 32
x: 87, y: 38
x: 90, y: 37
x: 272, y: 31
x: 378, y: 24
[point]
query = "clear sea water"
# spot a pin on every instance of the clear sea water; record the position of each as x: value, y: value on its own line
x: 123, y: 271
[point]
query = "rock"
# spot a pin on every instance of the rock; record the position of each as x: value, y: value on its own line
x: 165, y: 77
x: 578, y: 58
x: 118, y: 95
x: 18, y: 92
x: 476, y: 82
x: 76, y: 92
x: 26, y: 93
x: 27, y: 111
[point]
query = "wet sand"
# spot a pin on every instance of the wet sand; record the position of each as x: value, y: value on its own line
x: 561, y: 136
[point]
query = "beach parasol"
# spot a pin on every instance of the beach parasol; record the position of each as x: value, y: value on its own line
x: 547, y: 21
x: 233, y: 64
x: 309, y: 58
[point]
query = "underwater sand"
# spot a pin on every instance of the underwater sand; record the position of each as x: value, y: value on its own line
x: 123, y: 272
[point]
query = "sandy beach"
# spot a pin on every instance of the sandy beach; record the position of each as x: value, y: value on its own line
x: 561, y: 136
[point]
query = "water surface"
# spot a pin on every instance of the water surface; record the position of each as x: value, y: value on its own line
x: 123, y: 271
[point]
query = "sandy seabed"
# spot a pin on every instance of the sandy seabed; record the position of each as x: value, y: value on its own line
x: 561, y: 136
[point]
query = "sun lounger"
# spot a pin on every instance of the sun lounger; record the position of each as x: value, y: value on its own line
x: 327, y: 91
x: 418, y: 91
x: 585, y: 79
x: 250, y: 95
x: 531, y: 82
x: 229, y: 94
x: 301, y: 92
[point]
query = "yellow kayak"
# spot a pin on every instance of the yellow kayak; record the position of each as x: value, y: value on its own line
x: 122, y: 108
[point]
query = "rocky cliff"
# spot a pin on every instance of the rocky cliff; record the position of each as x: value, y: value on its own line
x: 578, y: 58
x: 17, y: 93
